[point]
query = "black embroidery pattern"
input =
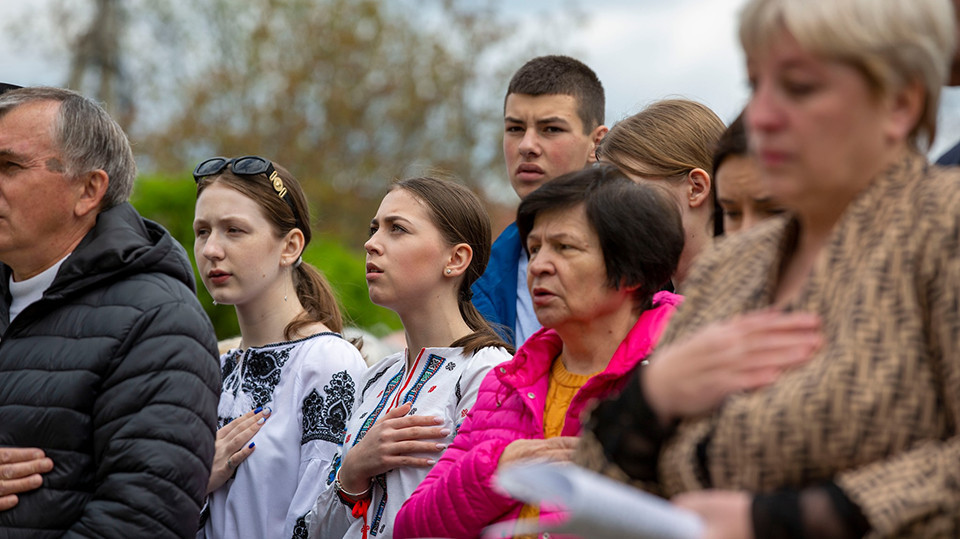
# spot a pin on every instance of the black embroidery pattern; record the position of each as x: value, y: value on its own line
x: 325, y: 418
x: 459, y: 393
x: 300, y: 528
x: 229, y: 363
x: 450, y: 366
x: 374, y: 380
x: 261, y: 373
x: 227, y: 370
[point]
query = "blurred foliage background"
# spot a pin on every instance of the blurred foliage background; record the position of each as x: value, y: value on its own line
x: 346, y: 94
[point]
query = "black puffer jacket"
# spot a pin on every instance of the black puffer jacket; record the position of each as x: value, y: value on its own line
x: 114, y: 374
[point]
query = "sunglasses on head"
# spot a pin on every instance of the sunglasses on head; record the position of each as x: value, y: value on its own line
x: 248, y: 165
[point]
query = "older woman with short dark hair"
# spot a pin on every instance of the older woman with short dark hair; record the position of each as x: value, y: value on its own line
x: 600, y: 247
x: 842, y: 418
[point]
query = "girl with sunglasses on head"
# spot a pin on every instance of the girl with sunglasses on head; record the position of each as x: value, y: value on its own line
x: 429, y: 241
x: 291, y: 381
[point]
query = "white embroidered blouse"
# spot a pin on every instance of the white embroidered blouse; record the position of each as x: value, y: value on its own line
x: 443, y: 382
x: 309, y: 385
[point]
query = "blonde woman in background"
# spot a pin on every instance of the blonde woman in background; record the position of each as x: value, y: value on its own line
x: 672, y: 141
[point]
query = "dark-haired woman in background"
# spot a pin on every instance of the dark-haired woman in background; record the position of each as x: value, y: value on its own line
x: 429, y: 242
x: 742, y: 197
x: 600, y: 248
x: 292, y: 367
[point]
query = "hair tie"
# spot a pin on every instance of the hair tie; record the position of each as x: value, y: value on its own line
x: 298, y: 262
x: 466, y: 294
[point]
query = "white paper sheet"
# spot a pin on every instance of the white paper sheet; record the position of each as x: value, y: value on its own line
x: 593, y: 506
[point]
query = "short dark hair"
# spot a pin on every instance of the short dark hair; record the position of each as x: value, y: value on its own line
x: 638, y: 224
x: 562, y: 75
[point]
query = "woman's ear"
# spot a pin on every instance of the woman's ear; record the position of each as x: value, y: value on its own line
x: 906, y: 109
x: 293, y: 244
x: 629, y: 288
x: 460, y: 256
x: 698, y: 187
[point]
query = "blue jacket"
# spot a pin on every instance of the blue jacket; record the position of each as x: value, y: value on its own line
x: 952, y: 157
x: 495, y: 292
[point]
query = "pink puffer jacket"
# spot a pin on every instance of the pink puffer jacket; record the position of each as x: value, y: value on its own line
x: 457, y: 498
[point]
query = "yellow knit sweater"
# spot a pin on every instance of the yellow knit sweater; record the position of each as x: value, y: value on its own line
x: 561, y: 389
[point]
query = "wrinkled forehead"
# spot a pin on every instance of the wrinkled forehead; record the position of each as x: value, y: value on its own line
x: 568, y: 219
x: 30, y: 124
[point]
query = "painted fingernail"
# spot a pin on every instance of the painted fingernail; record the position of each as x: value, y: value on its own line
x: 251, y: 445
x: 267, y: 411
x: 261, y: 420
x: 257, y: 411
x: 441, y: 446
x: 431, y: 462
x: 444, y: 432
x: 437, y: 420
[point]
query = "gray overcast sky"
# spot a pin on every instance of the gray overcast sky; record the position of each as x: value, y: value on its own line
x: 642, y: 50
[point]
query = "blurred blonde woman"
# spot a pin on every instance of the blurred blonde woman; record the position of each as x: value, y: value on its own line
x: 810, y: 384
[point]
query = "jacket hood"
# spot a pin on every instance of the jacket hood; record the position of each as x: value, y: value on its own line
x: 121, y: 243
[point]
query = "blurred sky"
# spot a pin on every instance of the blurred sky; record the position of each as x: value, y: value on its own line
x: 642, y: 50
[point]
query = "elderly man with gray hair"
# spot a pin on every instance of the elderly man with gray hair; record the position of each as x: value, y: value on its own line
x: 108, y: 372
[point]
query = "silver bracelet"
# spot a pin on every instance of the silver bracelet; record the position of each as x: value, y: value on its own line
x: 339, y: 486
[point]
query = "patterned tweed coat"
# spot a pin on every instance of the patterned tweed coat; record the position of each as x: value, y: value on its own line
x: 877, y: 410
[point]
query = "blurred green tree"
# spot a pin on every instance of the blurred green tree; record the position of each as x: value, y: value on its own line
x: 346, y: 94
